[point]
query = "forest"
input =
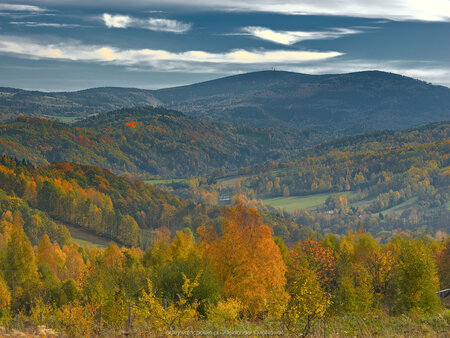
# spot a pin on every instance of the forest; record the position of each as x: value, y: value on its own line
x: 129, y: 212
x: 150, y: 142
x: 237, y: 279
x: 365, y: 178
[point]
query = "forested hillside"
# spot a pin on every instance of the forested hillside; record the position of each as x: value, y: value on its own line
x: 349, y: 103
x: 150, y: 142
x: 383, y: 182
x: 92, y: 198
x: 128, y: 211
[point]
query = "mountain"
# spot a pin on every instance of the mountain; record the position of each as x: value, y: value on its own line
x: 353, y: 102
x: 151, y: 142
x: 350, y: 103
x: 77, y: 104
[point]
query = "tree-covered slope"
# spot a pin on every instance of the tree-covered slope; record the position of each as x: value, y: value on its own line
x: 129, y: 211
x: 384, y: 182
x: 150, y: 142
x: 94, y: 199
x: 377, y: 162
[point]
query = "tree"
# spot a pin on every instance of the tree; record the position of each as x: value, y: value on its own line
x: 414, y: 277
x: 308, y: 300
x: 19, y: 262
x: 5, y: 295
x: 129, y: 231
x: 316, y: 257
x: 247, y: 260
x: 160, y: 317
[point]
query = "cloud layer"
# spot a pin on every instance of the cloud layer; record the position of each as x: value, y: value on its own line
x: 20, y: 8
x: 292, y: 37
x: 45, y: 24
x: 76, y: 51
x: 430, y: 10
x: 154, y: 24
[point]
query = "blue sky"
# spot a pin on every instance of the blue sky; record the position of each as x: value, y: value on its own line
x: 70, y: 45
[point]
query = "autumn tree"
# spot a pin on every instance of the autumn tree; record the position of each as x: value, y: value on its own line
x: 311, y: 268
x: 415, y: 280
x: 247, y: 260
x: 19, y: 261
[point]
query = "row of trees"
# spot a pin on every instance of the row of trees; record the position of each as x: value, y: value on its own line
x: 241, y: 272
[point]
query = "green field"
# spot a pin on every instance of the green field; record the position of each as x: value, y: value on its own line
x: 302, y: 202
x: 83, y: 237
x: 174, y: 180
x: 399, y: 208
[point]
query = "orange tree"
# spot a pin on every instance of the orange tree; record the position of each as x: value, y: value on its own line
x: 247, y: 260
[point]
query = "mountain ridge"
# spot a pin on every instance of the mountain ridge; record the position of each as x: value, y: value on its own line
x: 358, y: 101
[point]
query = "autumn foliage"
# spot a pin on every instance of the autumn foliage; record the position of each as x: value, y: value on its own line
x: 247, y: 260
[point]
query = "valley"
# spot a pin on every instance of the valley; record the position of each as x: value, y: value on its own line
x: 237, y: 204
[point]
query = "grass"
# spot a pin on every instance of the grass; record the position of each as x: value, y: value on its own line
x: 230, y: 182
x: 362, y: 203
x: 399, y: 208
x: 302, y: 202
x: 83, y: 237
x: 168, y: 181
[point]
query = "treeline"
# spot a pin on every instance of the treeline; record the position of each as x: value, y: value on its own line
x: 216, y: 280
x: 149, y: 142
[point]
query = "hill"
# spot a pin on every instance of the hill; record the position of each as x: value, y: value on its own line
x: 350, y: 103
x: 353, y: 102
x: 382, y: 181
x: 44, y: 199
x: 150, y: 142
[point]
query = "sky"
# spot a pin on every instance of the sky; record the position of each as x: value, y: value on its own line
x: 65, y: 45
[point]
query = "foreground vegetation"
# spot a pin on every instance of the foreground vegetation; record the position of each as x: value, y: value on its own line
x: 239, y: 278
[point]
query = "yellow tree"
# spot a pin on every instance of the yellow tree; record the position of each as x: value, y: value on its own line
x: 46, y: 255
x: 247, y: 260
x: 310, y: 279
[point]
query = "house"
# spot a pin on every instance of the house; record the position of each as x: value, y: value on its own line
x: 444, y: 295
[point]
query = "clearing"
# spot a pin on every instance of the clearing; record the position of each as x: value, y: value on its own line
x: 303, y: 202
x: 84, y: 237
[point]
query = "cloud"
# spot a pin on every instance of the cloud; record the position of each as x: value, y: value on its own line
x: 166, y: 25
x: 20, y: 8
x: 45, y: 24
x: 116, y: 21
x: 76, y: 51
x: 154, y: 24
x: 430, y: 10
x: 292, y: 37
